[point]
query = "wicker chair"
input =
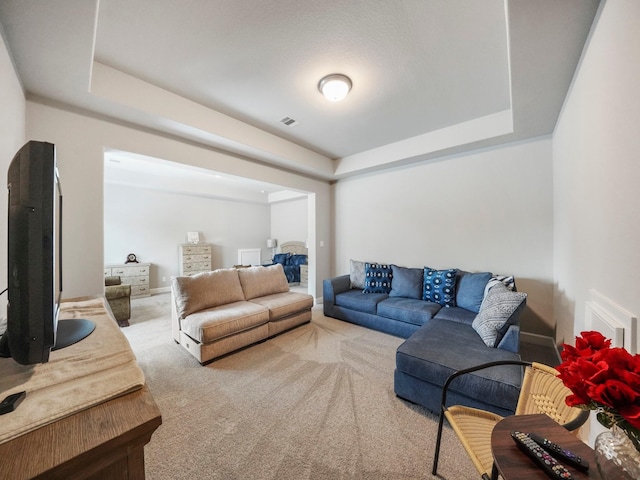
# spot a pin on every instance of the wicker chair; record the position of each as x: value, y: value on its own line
x: 119, y: 297
x: 541, y: 392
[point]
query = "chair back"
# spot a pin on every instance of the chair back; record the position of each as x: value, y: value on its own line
x: 543, y: 392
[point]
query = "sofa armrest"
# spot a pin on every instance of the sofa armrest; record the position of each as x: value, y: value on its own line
x: 332, y: 287
x: 511, y: 339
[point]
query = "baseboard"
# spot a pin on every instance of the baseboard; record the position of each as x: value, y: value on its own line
x: 546, y: 343
x: 154, y: 291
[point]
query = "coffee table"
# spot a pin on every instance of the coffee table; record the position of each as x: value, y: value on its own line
x: 514, y: 464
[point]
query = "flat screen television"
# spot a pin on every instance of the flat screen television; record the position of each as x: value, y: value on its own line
x: 34, y: 246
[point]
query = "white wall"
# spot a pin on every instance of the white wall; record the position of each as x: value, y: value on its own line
x: 81, y: 141
x: 12, y: 137
x: 152, y: 224
x: 289, y: 220
x: 489, y: 210
x: 596, y: 154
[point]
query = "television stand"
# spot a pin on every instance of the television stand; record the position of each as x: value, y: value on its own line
x: 71, y: 331
x: 104, y: 441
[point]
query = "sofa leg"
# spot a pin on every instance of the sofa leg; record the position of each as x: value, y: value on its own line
x: 123, y: 323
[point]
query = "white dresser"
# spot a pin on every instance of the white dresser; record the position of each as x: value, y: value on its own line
x: 194, y: 258
x: 134, y: 274
x: 304, y: 275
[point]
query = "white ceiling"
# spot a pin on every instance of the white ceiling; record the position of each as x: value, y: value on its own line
x: 430, y: 77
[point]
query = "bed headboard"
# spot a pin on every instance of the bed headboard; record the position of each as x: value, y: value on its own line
x: 294, y: 248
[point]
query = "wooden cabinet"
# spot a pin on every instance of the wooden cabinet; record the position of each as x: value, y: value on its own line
x: 304, y: 275
x: 134, y: 274
x: 194, y: 258
x: 103, y: 442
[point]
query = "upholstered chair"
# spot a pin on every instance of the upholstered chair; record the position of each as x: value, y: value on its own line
x: 119, y: 298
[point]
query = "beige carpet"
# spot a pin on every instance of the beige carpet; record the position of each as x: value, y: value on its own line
x: 316, y: 402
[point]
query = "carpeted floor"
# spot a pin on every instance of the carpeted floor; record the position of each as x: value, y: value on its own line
x: 316, y: 402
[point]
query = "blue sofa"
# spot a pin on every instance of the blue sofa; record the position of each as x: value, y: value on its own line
x: 473, y: 320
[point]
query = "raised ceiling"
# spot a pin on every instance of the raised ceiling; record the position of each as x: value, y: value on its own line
x: 430, y: 77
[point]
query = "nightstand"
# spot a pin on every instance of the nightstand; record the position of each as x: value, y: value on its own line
x: 304, y: 275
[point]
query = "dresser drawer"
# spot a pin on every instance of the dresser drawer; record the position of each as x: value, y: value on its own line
x: 196, y: 267
x: 135, y: 280
x: 130, y: 271
x: 138, y: 290
x: 205, y: 257
x: 196, y: 249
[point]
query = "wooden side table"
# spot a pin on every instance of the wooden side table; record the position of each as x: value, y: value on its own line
x: 514, y: 464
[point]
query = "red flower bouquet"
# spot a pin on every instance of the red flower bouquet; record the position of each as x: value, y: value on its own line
x: 603, y: 379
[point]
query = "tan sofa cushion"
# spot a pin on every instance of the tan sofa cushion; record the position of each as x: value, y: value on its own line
x: 219, y: 322
x: 260, y: 281
x: 282, y: 305
x: 206, y: 290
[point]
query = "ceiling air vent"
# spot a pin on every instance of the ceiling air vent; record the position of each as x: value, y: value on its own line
x: 289, y: 122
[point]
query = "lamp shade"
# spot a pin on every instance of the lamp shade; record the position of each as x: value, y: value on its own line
x: 272, y: 243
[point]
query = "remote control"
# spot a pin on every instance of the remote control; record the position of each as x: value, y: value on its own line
x: 560, y: 453
x: 11, y: 402
x: 542, y: 458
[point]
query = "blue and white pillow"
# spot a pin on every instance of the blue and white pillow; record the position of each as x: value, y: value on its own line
x: 440, y: 286
x: 377, y: 278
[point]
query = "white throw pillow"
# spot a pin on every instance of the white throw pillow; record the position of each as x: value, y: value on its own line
x: 499, y: 308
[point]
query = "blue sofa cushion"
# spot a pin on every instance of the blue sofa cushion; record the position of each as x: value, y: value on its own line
x: 377, y: 278
x: 440, y: 286
x: 359, y: 301
x: 408, y: 310
x: 406, y: 282
x: 499, y: 309
x: 428, y: 355
x: 470, y: 289
x: 456, y: 314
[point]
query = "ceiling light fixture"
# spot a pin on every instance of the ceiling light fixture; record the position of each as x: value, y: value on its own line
x: 335, y: 87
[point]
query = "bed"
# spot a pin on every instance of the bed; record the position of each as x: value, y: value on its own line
x: 292, y: 255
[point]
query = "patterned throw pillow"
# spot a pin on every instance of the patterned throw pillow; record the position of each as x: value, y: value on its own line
x: 507, y: 280
x: 377, y: 278
x: 499, y: 309
x: 440, y: 286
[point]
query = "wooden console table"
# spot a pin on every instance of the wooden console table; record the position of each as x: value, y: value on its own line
x: 514, y: 464
x: 103, y: 442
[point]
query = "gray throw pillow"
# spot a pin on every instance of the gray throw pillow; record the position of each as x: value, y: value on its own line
x: 499, y: 309
x: 356, y: 274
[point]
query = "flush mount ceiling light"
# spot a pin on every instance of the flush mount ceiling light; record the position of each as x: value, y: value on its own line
x: 335, y: 87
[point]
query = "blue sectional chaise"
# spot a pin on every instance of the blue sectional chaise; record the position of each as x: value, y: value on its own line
x: 451, y: 320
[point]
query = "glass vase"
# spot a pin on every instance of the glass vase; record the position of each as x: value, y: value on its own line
x: 616, y: 455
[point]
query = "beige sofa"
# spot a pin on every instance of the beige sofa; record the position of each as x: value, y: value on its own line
x: 217, y: 312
